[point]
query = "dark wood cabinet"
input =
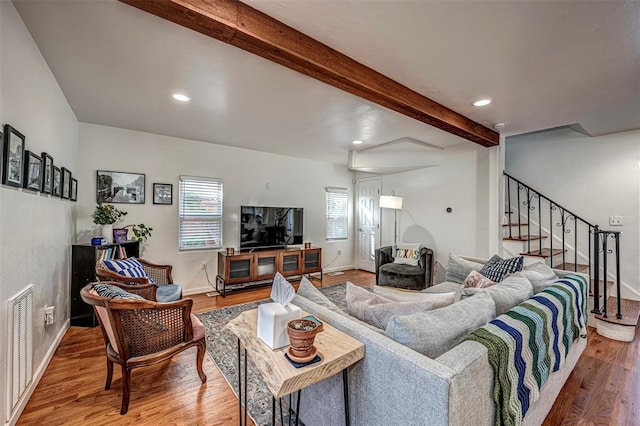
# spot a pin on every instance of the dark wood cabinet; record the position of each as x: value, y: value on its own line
x: 84, y: 258
x: 259, y: 268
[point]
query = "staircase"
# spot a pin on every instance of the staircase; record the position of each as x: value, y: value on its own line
x: 539, y: 228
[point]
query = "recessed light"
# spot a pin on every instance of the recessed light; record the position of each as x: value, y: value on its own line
x: 357, y: 142
x: 482, y: 102
x: 180, y: 97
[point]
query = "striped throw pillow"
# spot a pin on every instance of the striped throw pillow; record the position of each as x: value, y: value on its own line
x: 114, y: 292
x: 130, y: 268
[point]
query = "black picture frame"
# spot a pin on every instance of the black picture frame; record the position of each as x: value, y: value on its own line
x: 120, y: 187
x: 163, y: 193
x: 74, y: 189
x: 46, y: 185
x: 65, y: 183
x: 32, y: 176
x: 13, y: 157
x: 57, y: 178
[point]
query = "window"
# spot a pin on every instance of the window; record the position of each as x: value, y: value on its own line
x: 337, y: 203
x: 200, y: 213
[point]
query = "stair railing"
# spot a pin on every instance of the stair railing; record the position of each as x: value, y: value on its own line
x: 561, y: 217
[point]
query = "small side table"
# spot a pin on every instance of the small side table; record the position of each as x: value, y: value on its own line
x: 337, y: 350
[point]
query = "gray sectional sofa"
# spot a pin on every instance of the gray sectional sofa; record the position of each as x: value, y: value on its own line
x: 396, y: 385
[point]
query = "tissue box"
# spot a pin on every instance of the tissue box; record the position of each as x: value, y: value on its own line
x: 272, y: 323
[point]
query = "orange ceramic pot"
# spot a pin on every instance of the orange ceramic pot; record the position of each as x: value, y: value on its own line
x: 302, y: 333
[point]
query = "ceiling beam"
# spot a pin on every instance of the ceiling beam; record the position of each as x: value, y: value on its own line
x: 236, y: 23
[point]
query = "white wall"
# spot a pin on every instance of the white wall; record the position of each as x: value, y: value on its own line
x: 595, y: 177
x: 36, y: 231
x: 293, y: 182
x: 462, y: 182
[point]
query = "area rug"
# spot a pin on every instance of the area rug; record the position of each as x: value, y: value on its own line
x: 223, y: 347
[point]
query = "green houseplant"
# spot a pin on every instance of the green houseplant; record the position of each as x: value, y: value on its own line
x: 140, y: 232
x: 106, y: 214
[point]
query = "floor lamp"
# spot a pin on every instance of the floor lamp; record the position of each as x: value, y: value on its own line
x: 395, y: 203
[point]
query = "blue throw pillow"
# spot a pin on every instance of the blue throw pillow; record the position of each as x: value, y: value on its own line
x: 127, y: 268
x: 497, y: 268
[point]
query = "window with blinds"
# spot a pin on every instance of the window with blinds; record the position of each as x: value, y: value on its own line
x: 200, y: 213
x: 337, y: 204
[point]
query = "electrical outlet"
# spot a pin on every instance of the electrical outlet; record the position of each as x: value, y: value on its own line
x: 48, y: 315
x: 615, y: 220
x: 339, y: 252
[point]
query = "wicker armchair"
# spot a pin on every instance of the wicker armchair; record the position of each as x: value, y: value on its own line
x: 161, y: 275
x: 138, y: 333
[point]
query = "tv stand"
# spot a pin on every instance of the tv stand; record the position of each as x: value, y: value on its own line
x: 257, y: 268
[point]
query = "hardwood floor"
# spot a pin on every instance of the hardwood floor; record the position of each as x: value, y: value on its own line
x: 604, y: 388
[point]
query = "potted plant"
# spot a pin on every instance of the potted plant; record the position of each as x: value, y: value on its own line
x: 140, y: 232
x: 302, y: 333
x: 106, y: 215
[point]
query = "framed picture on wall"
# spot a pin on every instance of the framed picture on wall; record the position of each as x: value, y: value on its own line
x: 120, y: 187
x: 74, y: 189
x: 32, y: 176
x: 57, y: 177
x: 13, y: 159
x: 162, y: 193
x: 47, y: 173
x: 65, y: 183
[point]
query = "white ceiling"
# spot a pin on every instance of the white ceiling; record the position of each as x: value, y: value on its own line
x: 545, y: 64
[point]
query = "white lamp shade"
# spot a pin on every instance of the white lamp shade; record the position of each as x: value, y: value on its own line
x: 390, y: 202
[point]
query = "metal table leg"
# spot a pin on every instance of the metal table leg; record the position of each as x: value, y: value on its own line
x: 298, y: 409
x: 239, y: 387
x: 245, y: 388
x: 345, y: 388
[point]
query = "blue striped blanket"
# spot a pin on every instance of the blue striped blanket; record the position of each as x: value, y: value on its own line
x: 531, y: 341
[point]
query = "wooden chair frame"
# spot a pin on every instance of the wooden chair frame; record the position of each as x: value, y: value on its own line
x: 143, y: 332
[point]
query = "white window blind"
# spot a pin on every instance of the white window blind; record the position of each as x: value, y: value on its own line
x: 337, y: 204
x: 200, y: 213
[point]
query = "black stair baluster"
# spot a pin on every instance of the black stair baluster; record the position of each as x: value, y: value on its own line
x: 575, y: 245
x: 509, y: 204
x: 551, y: 233
x: 528, y: 221
x: 604, y: 272
x: 617, y: 237
x: 590, y: 260
x: 562, y: 219
x: 540, y: 224
x: 596, y: 270
x: 519, y: 215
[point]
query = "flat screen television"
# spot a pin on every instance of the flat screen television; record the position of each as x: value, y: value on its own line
x: 264, y: 228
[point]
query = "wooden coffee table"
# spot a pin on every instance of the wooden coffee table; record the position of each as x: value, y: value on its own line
x: 337, y: 351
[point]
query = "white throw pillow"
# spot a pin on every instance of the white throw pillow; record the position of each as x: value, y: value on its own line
x: 407, y: 254
x: 377, y: 310
x: 438, y: 300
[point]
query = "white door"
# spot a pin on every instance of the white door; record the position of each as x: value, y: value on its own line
x: 368, y: 230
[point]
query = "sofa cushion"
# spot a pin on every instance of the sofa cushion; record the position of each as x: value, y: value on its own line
x: 438, y: 300
x: 114, y: 292
x: 401, y: 269
x: 432, y: 333
x: 407, y: 254
x: 497, y: 268
x: 458, y: 268
x: 540, y: 275
x: 378, y: 310
x: 477, y: 280
x: 514, y: 290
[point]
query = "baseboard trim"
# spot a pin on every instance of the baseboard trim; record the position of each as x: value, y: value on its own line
x: 39, y: 373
